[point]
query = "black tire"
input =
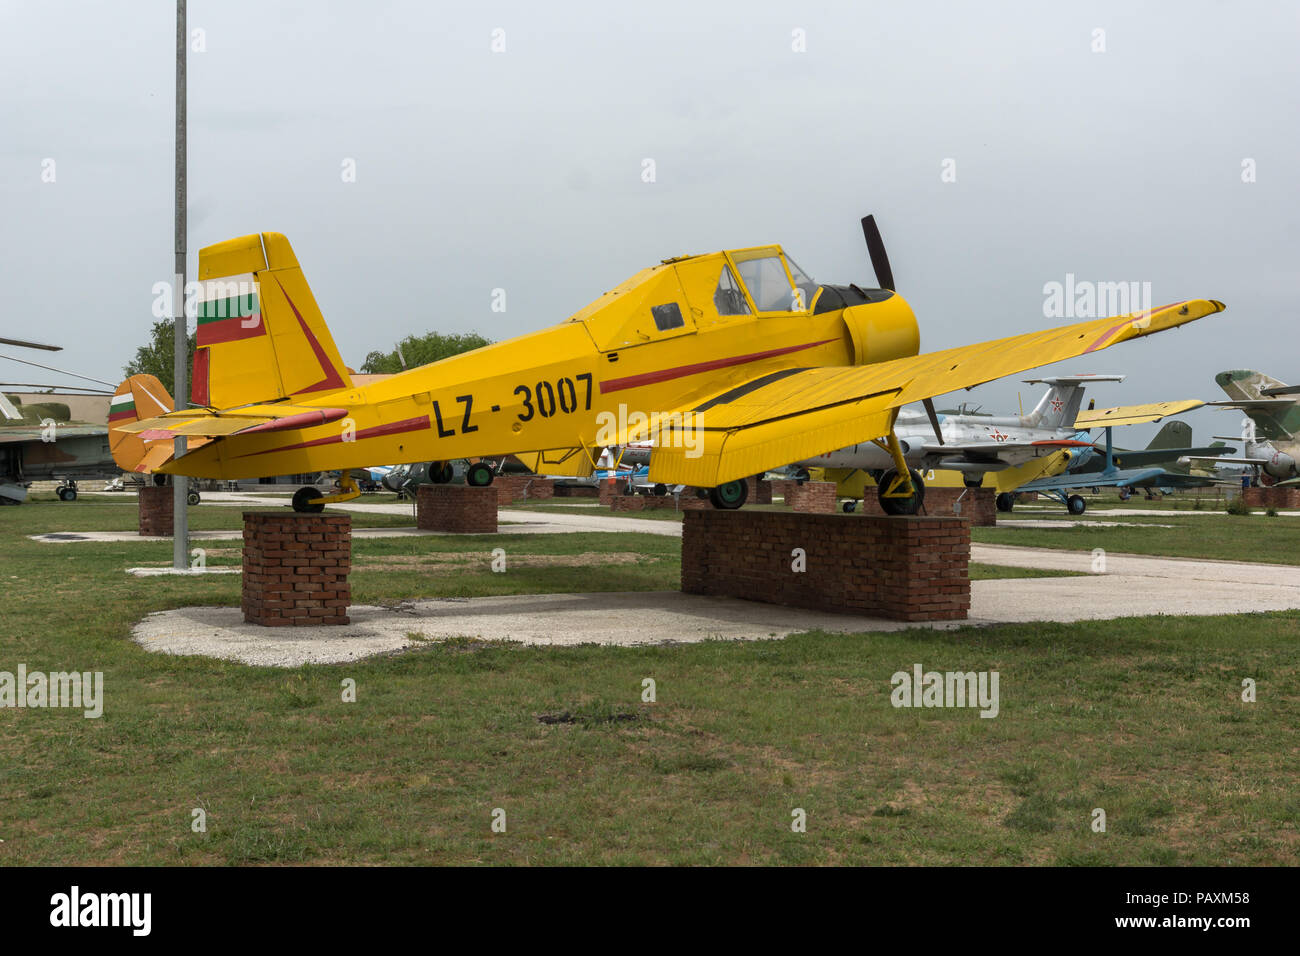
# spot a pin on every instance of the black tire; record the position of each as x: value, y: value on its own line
x: 479, y: 475
x: 67, y: 494
x: 302, y: 498
x: 729, y: 495
x: 1005, y: 501
x: 1075, y: 505
x: 901, y: 506
x: 160, y: 480
x: 193, y: 498
x: 661, y: 490
x: 849, y: 507
x: 442, y: 475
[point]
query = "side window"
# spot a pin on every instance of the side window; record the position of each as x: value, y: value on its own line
x: 727, y: 297
x: 768, y: 285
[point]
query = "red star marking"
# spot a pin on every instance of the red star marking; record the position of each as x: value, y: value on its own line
x: 1057, y: 404
x: 998, y: 436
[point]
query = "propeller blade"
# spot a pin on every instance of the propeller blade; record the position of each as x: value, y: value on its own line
x: 934, y: 418
x: 876, y: 249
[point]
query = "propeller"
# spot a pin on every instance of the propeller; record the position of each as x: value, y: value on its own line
x: 876, y: 249
x: 885, y: 277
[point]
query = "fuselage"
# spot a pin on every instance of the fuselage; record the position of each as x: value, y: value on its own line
x: 660, y: 343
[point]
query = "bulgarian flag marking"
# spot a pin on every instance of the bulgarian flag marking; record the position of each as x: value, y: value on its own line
x: 122, y: 406
x: 229, y: 310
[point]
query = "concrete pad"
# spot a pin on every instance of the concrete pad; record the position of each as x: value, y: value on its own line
x: 611, y: 618
x: 1133, y: 586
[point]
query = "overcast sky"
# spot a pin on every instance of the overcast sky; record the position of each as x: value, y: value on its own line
x: 523, y: 169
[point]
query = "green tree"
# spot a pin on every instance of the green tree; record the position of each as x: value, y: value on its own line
x: 420, y: 350
x: 159, y: 357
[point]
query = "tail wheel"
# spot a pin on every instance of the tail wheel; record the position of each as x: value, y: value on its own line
x: 1076, y: 505
x: 1005, y: 501
x: 302, y: 499
x: 479, y: 474
x: 901, y: 506
x: 730, y: 495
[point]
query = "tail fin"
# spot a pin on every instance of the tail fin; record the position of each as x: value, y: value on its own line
x: 1060, y: 406
x: 1173, y: 435
x: 1270, y: 416
x: 140, y: 397
x: 261, y: 336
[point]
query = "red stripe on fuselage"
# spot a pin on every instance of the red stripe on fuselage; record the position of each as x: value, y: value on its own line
x: 392, y: 428
x: 681, y: 371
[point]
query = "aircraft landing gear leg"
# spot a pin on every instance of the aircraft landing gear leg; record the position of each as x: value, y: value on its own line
x: 309, y: 500
x: 902, y: 492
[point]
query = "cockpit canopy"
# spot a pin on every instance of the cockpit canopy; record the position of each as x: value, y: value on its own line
x: 691, y: 293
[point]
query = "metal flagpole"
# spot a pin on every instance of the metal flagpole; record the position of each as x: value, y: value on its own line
x: 180, y: 485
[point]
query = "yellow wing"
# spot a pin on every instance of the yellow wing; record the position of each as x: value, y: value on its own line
x: 787, y: 417
x: 1134, y: 414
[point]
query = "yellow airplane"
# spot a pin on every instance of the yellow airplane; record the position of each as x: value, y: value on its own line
x: 732, y: 363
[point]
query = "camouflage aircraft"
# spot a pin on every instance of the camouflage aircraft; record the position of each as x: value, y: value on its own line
x: 40, y: 442
x: 1271, y: 429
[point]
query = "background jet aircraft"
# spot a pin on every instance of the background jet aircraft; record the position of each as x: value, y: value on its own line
x: 39, y: 441
x: 977, y: 444
x: 1271, y: 432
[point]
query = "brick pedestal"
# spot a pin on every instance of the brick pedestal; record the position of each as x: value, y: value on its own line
x: 457, y: 508
x: 906, y: 569
x: 1255, y: 498
x: 977, y: 504
x: 812, y: 497
x: 609, y: 487
x: 760, y: 492
x: 156, y: 511
x: 296, y: 568
x: 512, y: 488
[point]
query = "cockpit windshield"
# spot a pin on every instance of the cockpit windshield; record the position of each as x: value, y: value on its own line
x: 764, y: 274
x: 805, y: 288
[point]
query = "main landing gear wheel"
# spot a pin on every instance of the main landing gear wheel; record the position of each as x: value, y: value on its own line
x: 479, y: 475
x: 901, y: 506
x: 193, y: 498
x: 1005, y: 501
x: 849, y: 507
x: 729, y: 496
x: 302, y: 499
x: 441, y: 475
x: 1076, y: 505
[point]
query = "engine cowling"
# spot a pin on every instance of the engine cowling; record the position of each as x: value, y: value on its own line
x: 882, y: 330
x: 1280, y: 466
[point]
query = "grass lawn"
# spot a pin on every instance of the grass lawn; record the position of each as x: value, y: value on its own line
x: 1142, y: 718
x: 1224, y: 537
